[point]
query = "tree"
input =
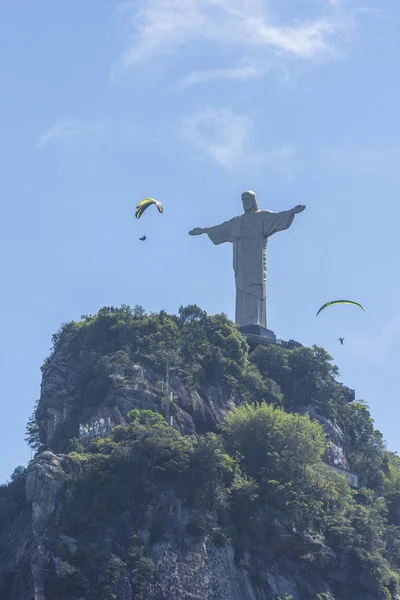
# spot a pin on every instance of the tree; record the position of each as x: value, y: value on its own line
x: 364, y: 443
x: 283, y: 453
x: 32, y: 431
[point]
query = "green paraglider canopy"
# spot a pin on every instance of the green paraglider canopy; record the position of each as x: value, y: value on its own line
x: 341, y: 302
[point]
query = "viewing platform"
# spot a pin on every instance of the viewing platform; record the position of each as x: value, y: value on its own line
x: 256, y: 334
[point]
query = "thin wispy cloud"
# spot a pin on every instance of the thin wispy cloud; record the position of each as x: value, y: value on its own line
x: 67, y: 130
x: 244, y: 27
x: 238, y: 73
x: 225, y: 137
x: 377, y: 13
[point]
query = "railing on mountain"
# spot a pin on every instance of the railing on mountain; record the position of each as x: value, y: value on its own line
x: 97, y: 428
x: 352, y: 478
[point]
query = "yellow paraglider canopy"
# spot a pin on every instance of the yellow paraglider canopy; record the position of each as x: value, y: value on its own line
x: 144, y: 204
x: 341, y: 302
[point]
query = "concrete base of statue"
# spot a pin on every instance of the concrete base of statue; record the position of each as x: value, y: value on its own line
x: 256, y: 334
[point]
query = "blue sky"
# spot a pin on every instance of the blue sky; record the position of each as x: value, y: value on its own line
x: 192, y: 102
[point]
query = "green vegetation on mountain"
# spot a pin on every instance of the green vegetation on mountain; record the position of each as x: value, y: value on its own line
x: 260, y: 472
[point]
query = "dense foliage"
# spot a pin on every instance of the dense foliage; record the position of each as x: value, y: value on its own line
x: 12, y: 497
x: 265, y: 465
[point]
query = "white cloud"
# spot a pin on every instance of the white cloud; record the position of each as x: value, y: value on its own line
x: 247, y: 26
x: 239, y: 73
x: 67, y: 130
x: 225, y: 136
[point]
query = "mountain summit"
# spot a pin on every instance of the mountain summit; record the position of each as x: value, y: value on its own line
x: 174, y: 462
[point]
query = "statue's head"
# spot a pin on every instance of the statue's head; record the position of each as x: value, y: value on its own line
x: 249, y: 202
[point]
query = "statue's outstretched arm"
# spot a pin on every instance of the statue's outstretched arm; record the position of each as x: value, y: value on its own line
x: 198, y: 230
x: 299, y: 208
x: 217, y: 234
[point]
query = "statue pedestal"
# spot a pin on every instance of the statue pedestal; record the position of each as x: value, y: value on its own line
x: 256, y: 334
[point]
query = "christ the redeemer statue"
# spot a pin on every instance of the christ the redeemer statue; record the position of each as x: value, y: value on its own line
x: 249, y: 235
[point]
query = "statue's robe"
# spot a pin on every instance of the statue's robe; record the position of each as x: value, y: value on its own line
x: 249, y: 234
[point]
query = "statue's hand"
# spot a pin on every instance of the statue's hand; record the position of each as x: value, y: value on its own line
x: 299, y: 208
x: 197, y: 231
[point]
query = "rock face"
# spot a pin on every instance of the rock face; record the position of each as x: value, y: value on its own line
x: 43, y: 485
x: 193, y: 567
x: 128, y: 386
x: 187, y: 566
x: 24, y: 544
x: 335, y: 454
x: 137, y: 386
